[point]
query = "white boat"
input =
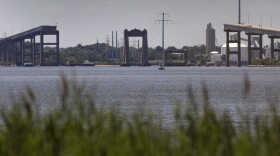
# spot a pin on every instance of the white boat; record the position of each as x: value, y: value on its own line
x: 27, y: 64
x: 86, y: 63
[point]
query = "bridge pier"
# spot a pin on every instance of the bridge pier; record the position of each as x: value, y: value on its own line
x: 22, y: 48
x: 27, y: 50
x: 6, y: 52
x: 53, y: 53
x: 14, y: 51
x: 126, y: 49
x: 144, y: 55
x: 144, y: 59
x: 250, y: 48
x: 185, y: 57
x: 251, y: 30
x: 272, y: 50
x: 228, y: 51
x: 42, y: 56
x: 33, y: 50
x: 20, y: 56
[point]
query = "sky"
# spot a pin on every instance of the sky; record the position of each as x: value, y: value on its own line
x: 85, y: 21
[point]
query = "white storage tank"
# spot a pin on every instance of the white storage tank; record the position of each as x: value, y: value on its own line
x: 233, y: 57
x: 216, y: 58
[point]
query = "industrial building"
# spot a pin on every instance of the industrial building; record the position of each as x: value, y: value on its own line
x: 217, y: 58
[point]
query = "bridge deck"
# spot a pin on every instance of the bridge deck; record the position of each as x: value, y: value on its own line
x: 24, y: 47
x: 34, y: 31
x: 254, y: 29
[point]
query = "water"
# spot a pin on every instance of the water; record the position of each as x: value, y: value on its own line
x: 132, y: 87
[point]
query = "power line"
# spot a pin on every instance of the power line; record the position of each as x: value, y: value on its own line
x: 163, y: 21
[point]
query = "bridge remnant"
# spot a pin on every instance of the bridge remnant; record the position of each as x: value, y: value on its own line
x: 182, y: 51
x: 136, y: 33
x: 251, y: 31
x: 23, y: 47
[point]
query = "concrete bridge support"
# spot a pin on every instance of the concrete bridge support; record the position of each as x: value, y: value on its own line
x: 229, y: 52
x: 44, y: 55
x: 272, y: 38
x: 22, y: 48
x: 18, y: 46
x: 251, y: 47
x: 144, y: 55
x: 145, y: 59
x: 251, y: 30
x: 27, y: 50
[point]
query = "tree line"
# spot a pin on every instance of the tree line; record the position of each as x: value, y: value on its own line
x: 102, y: 53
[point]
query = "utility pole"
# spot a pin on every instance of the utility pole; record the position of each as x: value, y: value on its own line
x: 107, y: 47
x: 117, y: 50
x: 112, y: 46
x: 239, y: 14
x: 112, y: 38
x: 163, y: 21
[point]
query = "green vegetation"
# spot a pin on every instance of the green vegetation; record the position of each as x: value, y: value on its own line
x: 266, y: 62
x: 78, y: 127
x: 102, y: 53
x: 78, y: 54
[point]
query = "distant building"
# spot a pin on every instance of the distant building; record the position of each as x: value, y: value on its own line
x: 233, y: 58
x: 216, y: 58
x: 210, y: 39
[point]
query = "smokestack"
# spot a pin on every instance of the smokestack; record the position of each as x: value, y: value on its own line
x: 116, y: 39
x: 112, y: 38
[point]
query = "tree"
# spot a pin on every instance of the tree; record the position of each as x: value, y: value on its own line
x: 171, y: 48
x: 158, y: 49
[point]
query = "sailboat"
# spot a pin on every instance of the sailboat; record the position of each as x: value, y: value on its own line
x: 161, y: 65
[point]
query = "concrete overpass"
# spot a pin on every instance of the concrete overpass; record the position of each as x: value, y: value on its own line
x: 251, y: 31
x: 23, y: 47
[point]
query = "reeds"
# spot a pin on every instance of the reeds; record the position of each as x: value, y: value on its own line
x: 78, y: 127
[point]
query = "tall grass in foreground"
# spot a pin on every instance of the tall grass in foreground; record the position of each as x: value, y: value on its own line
x: 78, y: 127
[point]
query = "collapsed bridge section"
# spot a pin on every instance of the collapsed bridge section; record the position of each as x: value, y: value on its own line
x: 30, y: 47
x: 168, y: 62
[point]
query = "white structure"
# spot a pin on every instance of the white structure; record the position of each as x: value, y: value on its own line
x: 268, y: 51
x: 216, y: 58
x: 233, y: 57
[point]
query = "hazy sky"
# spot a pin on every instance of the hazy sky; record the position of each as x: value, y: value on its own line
x: 83, y: 21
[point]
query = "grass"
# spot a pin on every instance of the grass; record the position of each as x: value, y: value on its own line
x: 78, y: 127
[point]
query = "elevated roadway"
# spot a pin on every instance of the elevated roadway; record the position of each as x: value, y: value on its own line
x: 23, y: 48
x: 250, y: 31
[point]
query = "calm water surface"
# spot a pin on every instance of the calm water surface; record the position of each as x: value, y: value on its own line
x: 147, y: 87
